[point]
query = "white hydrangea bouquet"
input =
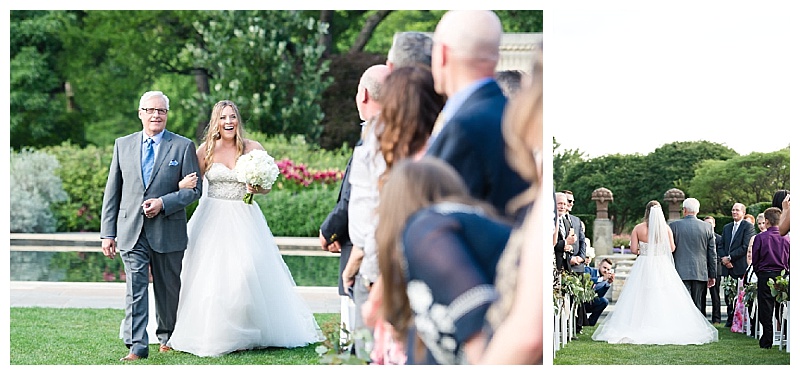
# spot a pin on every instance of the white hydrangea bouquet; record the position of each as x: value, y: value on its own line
x: 258, y: 169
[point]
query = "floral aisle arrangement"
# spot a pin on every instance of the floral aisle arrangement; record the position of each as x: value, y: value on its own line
x: 779, y: 287
x: 258, y: 169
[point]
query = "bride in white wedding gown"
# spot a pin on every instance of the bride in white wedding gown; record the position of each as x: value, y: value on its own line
x: 655, y: 307
x: 236, y: 291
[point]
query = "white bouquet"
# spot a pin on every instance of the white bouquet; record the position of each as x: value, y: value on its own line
x: 258, y: 169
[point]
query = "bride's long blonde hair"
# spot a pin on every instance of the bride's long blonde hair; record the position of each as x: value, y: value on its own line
x: 212, y: 132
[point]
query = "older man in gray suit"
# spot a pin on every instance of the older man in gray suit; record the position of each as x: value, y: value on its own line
x: 695, y: 252
x: 144, y: 216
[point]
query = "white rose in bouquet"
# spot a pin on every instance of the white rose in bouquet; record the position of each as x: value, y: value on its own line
x: 258, y: 169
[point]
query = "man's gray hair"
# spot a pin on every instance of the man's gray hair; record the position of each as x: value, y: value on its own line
x: 410, y: 48
x: 151, y: 94
x: 692, y: 205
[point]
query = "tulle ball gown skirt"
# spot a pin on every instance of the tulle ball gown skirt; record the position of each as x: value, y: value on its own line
x: 654, y: 307
x: 236, y: 291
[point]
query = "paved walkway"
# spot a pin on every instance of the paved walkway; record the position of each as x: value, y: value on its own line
x: 112, y: 295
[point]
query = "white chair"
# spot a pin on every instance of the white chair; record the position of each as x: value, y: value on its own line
x: 784, y: 331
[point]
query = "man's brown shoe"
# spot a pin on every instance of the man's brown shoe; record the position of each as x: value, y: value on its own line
x: 163, y: 348
x: 130, y: 357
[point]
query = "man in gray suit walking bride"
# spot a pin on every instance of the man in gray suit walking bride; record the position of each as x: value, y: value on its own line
x: 144, y: 218
x: 695, y: 252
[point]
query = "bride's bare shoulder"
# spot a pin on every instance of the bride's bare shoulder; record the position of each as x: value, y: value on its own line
x: 250, y: 145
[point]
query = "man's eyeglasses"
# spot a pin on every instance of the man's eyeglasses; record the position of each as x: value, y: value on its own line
x: 161, y: 111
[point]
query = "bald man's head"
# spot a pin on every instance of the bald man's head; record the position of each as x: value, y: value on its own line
x: 472, y: 34
x: 369, y: 88
x: 466, y: 49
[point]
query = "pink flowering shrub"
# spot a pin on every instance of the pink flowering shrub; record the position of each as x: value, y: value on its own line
x: 295, y: 176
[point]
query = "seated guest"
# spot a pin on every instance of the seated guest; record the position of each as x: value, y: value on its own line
x: 439, y: 249
x: 602, y: 278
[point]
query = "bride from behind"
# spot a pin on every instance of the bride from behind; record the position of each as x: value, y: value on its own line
x: 654, y: 306
x: 237, y: 292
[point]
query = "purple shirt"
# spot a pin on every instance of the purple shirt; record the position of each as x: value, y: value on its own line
x: 770, y: 251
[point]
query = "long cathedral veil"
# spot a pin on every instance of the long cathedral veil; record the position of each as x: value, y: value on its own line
x: 657, y: 234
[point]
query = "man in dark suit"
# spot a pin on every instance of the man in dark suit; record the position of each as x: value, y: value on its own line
x: 695, y: 252
x: 566, y: 235
x: 144, y: 216
x: 334, y: 237
x: 468, y: 133
x: 577, y: 261
x: 735, y: 241
x: 716, y: 306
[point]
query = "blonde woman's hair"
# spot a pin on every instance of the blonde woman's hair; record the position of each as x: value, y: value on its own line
x: 522, y: 132
x: 409, y: 187
x: 212, y: 132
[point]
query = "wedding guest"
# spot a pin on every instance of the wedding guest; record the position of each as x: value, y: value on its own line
x: 770, y: 258
x: 468, y: 133
x: 602, y: 278
x: 144, y: 216
x: 409, y: 48
x: 716, y: 303
x: 438, y: 259
x: 238, y: 293
x: 565, y: 244
x: 735, y: 239
x: 409, y: 106
x: 365, y: 166
x: 578, y: 259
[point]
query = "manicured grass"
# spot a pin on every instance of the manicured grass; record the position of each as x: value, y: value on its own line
x: 53, y: 336
x: 731, y: 349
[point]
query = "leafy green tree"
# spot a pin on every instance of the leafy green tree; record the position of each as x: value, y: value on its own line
x: 747, y: 179
x: 623, y: 175
x: 130, y: 52
x: 636, y: 179
x: 274, y: 74
x: 674, y: 163
x: 39, y: 108
x: 562, y: 162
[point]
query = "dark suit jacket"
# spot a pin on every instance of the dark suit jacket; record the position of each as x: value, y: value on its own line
x: 472, y: 142
x: 561, y: 263
x: 334, y: 228
x: 736, y: 249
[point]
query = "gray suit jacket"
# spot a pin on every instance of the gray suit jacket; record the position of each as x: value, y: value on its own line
x: 695, y: 249
x: 122, y: 216
x: 579, y: 247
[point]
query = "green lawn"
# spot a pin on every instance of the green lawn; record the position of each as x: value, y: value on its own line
x: 53, y: 336
x: 731, y: 349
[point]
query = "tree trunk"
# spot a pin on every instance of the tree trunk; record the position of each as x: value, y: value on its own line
x: 201, y: 79
x: 366, y: 31
x: 326, y: 40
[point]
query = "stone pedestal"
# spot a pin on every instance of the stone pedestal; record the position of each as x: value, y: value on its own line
x: 602, y: 241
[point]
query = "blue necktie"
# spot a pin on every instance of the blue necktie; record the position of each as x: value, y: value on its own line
x: 147, y: 163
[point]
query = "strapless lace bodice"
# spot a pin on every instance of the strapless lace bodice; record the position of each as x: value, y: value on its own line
x: 222, y: 183
x: 647, y: 250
